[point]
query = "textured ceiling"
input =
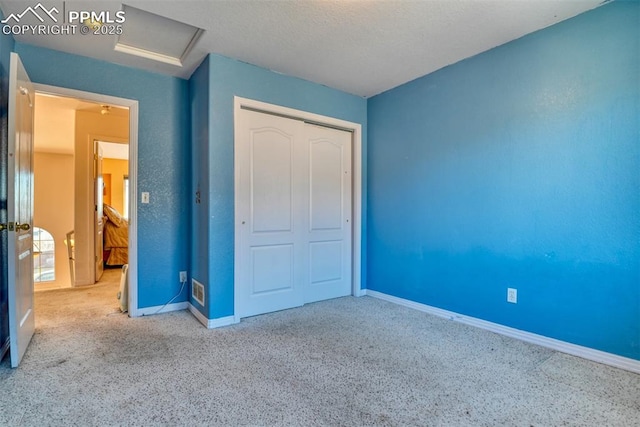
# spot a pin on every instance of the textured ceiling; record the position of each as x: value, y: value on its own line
x: 362, y: 47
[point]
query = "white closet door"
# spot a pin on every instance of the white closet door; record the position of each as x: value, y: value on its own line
x: 293, y: 219
x: 270, y: 274
x: 329, y: 213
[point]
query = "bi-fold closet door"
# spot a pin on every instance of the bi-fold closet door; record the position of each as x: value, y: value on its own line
x: 293, y: 198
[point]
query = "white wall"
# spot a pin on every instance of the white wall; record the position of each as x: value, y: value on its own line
x: 54, y: 205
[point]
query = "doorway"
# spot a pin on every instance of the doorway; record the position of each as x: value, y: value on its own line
x: 96, y: 120
x: 111, y: 227
x: 62, y: 126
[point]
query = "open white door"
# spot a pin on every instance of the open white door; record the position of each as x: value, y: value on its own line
x: 20, y: 210
x: 99, y: 204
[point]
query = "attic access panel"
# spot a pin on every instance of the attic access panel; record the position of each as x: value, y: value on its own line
x: 156, y: 37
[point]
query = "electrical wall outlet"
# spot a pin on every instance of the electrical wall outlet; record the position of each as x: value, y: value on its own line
x: 512, y: 295
x: 183, y: 276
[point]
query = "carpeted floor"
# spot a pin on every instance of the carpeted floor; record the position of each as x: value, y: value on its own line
x: 344, y: 362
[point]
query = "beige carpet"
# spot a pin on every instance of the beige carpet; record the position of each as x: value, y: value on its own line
x: 345, y: 362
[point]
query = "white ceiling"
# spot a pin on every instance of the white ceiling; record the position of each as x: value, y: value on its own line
x: 362, y: 47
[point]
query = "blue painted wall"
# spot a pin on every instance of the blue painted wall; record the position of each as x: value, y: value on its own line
x: 200, y: 99
x: 519, y: 167
x: 163, y: 158
x: 6, y: 47
x: 229, y: 77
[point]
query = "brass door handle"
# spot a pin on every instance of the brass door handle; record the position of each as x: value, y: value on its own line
x: 24, y: 227
x: 3, y: 227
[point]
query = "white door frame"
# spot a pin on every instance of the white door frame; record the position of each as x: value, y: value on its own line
x: 356, y: 129
x: 133, y: 174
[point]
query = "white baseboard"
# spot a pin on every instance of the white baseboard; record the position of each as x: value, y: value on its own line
x: 147, y: 311
x: 212, y: 323
x: 562, y: 346
x: 360, y: 293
